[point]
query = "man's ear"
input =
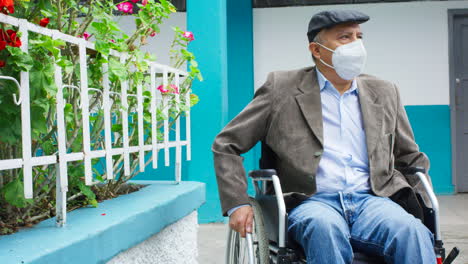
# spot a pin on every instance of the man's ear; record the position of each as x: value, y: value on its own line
x: 314, y: 50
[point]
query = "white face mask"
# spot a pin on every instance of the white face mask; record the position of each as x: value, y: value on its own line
x: 348, y: 60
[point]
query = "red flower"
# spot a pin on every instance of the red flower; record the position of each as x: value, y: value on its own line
x: 2, y: 45
x: 144, y: 2
x: 7, y: 6
x: 9, y: 38
x: 2, y: 64
x: 44, y: 22
x: 134, y: 1
x: 15, y: 41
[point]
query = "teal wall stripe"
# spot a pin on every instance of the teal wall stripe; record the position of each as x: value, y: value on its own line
x: 207, y: 20
x: 431, y: 127
x: 241, y: 67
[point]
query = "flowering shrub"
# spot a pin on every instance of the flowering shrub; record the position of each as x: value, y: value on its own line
x: 92, y: 20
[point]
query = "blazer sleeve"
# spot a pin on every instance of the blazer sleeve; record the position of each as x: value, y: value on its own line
x: 406, y: 151
x: 238, y: 137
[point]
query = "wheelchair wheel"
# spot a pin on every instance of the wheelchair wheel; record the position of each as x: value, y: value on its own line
x: 237, y: 248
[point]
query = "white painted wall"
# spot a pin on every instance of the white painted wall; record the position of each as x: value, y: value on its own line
x: 159, y: 44
x: 407, y: 43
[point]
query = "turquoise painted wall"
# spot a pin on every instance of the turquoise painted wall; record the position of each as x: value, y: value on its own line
x: 431, y: 126
x: 224, y: 49
x: 207, y: 20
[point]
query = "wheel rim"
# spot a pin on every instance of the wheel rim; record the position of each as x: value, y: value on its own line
x: 239, y: 249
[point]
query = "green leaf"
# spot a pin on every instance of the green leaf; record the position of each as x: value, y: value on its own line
x: 13, y: 193
x: 42, y: 78
x: 38, y: 120
x: 116, y: 128
x: 98, y: 28
x: 20, y: 60
x: 86, y: 190
x: 193, y: 99
x: 118, y: 69
x: 103, y: 47
x: 93, y: 203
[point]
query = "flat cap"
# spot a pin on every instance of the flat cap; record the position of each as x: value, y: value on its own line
x: 328, y: 19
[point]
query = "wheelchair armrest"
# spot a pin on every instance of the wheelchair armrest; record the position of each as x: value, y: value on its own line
x: 420, y: 173
x: 265, y: 174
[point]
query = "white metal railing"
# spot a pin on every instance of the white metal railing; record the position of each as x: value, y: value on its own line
x: 61, y: 159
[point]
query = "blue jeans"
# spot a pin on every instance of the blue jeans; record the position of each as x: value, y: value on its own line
x: 330, y: 225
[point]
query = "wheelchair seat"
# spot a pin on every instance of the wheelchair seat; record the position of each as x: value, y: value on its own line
x: 270, y: 220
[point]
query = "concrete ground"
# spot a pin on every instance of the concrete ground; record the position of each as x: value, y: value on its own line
x: 454, y: 225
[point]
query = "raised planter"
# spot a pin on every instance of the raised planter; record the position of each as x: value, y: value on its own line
x: 96, y: 235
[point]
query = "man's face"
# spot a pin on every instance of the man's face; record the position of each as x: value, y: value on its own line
x: 334, y: 37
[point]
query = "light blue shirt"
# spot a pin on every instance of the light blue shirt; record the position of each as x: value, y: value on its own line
x: 344, y: 166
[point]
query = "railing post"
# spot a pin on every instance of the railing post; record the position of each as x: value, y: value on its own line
x: 141, y: 136
x: 85, y: 113
x: 166, y: 121
x: 61, y: 168
x: 107, y: 122
x: 154, y: 120
x: 61, y: 199
x: 26, y: 117
x: 125, y: 109
x: 178, y: 165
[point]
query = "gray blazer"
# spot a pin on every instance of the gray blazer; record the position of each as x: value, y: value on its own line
x: 286, y: 114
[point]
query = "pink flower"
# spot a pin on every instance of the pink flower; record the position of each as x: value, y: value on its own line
x: 134, y: 1
x: 126, y: 7
x: 113, y: 41
x: 86, y: 35
x: 172, y: 89
x: 144, y: 2
x: 162, y: 90
x: 151, y: 32
x: 188, y: 35
x: 175, y: 89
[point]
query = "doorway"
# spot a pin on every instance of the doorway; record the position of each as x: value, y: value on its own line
x: 458, y: 65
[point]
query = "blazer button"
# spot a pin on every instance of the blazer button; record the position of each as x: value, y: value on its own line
x: 318, y: 153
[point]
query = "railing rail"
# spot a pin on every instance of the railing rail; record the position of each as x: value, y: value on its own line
x: 62, y: 158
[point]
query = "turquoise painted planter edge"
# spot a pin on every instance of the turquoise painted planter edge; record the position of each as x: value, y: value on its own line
x: 95, y: 235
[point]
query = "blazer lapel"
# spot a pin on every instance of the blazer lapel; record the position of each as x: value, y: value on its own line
x: 310, y: 103
x: 372, y: 114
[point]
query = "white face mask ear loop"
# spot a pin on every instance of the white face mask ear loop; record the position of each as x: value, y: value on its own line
x: 332, y: 51
x: 326, y: 64
x: 325, y: 47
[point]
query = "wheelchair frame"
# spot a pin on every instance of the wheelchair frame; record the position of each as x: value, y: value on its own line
x: 285, y: 255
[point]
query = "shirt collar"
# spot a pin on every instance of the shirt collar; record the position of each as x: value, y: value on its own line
x: 323, y: 83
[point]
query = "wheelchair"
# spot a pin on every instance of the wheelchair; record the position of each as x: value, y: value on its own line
x: 268, y: 243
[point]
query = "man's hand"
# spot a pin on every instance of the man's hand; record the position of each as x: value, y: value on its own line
x: 241, y: 220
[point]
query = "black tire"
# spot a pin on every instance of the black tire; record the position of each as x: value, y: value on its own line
x: 237, y: 252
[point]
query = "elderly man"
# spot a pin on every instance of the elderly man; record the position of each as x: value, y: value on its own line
x: 337, y: 134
